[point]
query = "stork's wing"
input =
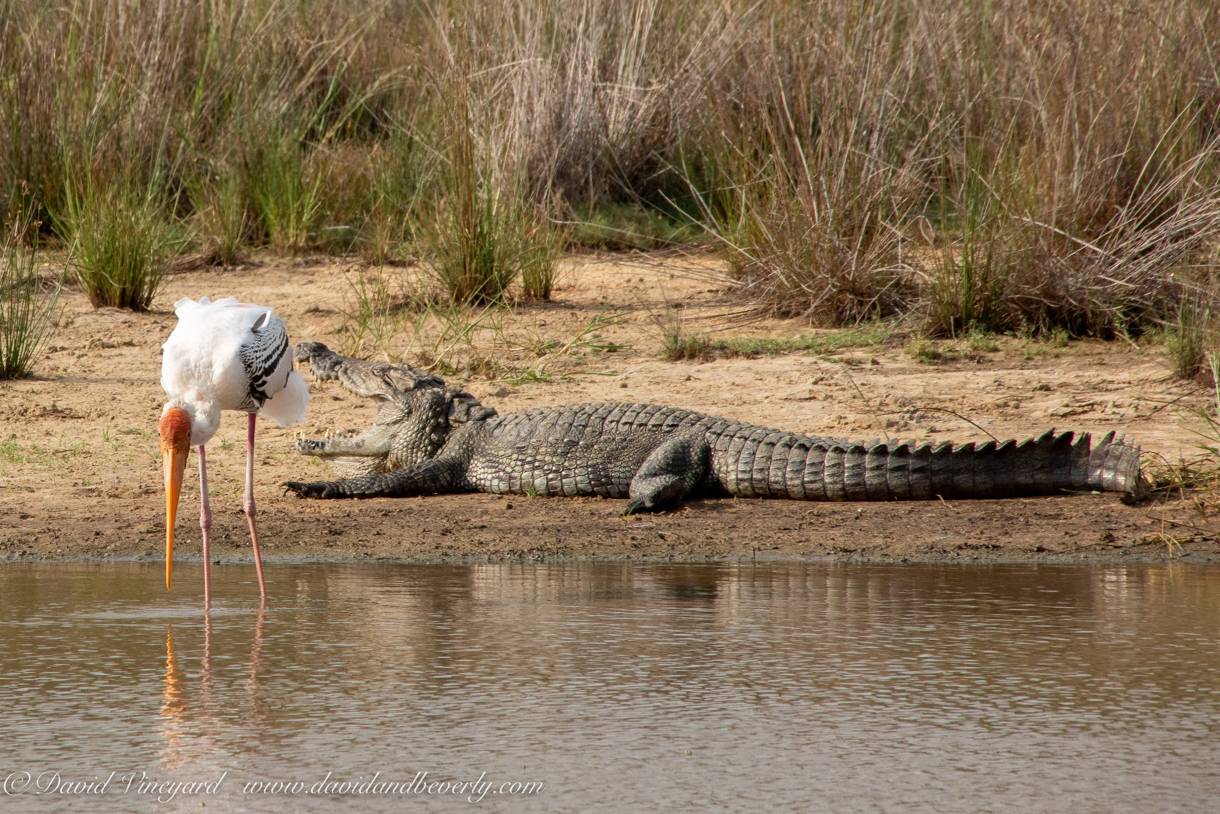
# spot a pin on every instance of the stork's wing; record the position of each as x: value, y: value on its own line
x: 266, y: 358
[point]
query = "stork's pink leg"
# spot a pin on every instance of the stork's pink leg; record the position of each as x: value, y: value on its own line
x: 248, y: 505
x: 205, y: 525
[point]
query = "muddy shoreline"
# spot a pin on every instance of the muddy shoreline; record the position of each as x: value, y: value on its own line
x: 478, y: 527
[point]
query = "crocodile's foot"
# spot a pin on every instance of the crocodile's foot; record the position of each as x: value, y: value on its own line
x: 350, y: 456
x: 639, y: 505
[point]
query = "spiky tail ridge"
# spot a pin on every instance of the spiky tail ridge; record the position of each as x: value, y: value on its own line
x: 798, y: 467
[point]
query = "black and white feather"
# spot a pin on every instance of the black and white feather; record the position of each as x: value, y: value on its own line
x: 263, y: 355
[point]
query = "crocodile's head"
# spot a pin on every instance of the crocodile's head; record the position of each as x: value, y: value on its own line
x: 418, y: 411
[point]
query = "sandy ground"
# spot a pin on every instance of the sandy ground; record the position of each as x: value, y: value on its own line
x: 80, y: 471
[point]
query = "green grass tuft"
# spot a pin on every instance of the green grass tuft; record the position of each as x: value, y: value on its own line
x: 27, y: 304
x: 287, y: 191
x: 224, y: 216
x: 1187, y: 341
x: 487, y: 232
x: 927, y: 351
x: 867, y: 334
x: 681, y: 344
x: 123, y: 243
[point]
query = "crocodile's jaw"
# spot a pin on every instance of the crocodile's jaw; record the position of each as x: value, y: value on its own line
x: 354, y: 461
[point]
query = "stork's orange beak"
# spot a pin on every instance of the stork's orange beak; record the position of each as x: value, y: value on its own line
x: 175, y: 429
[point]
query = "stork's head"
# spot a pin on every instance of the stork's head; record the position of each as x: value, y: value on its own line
x: 175, y: 429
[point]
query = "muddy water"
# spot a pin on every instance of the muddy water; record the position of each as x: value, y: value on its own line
x: 769, y: 687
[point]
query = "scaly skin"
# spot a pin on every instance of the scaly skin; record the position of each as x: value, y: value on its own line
x: 429, y: 438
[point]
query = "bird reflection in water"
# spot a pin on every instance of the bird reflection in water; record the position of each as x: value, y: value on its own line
x: 191, y: 730
x: 254, y: 699
x: 175, y: 723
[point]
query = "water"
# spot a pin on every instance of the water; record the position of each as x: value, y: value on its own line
x: 634, y: 688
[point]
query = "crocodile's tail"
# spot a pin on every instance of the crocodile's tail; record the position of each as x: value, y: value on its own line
x: 809, y: 468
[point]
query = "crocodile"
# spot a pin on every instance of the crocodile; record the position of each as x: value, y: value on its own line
x: 432, y: 438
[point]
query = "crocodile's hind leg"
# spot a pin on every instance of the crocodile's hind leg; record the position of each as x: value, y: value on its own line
x: 669, y: 474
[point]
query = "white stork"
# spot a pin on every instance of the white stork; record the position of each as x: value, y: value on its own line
x: 223, y: 355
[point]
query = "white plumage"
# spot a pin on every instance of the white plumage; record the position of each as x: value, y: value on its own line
x: 203, y: 372
x: 223, y: 355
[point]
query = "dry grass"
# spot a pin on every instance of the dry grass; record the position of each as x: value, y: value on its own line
x: 1060, y: 174
x: 990, y: 166
x: 400, y: 315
